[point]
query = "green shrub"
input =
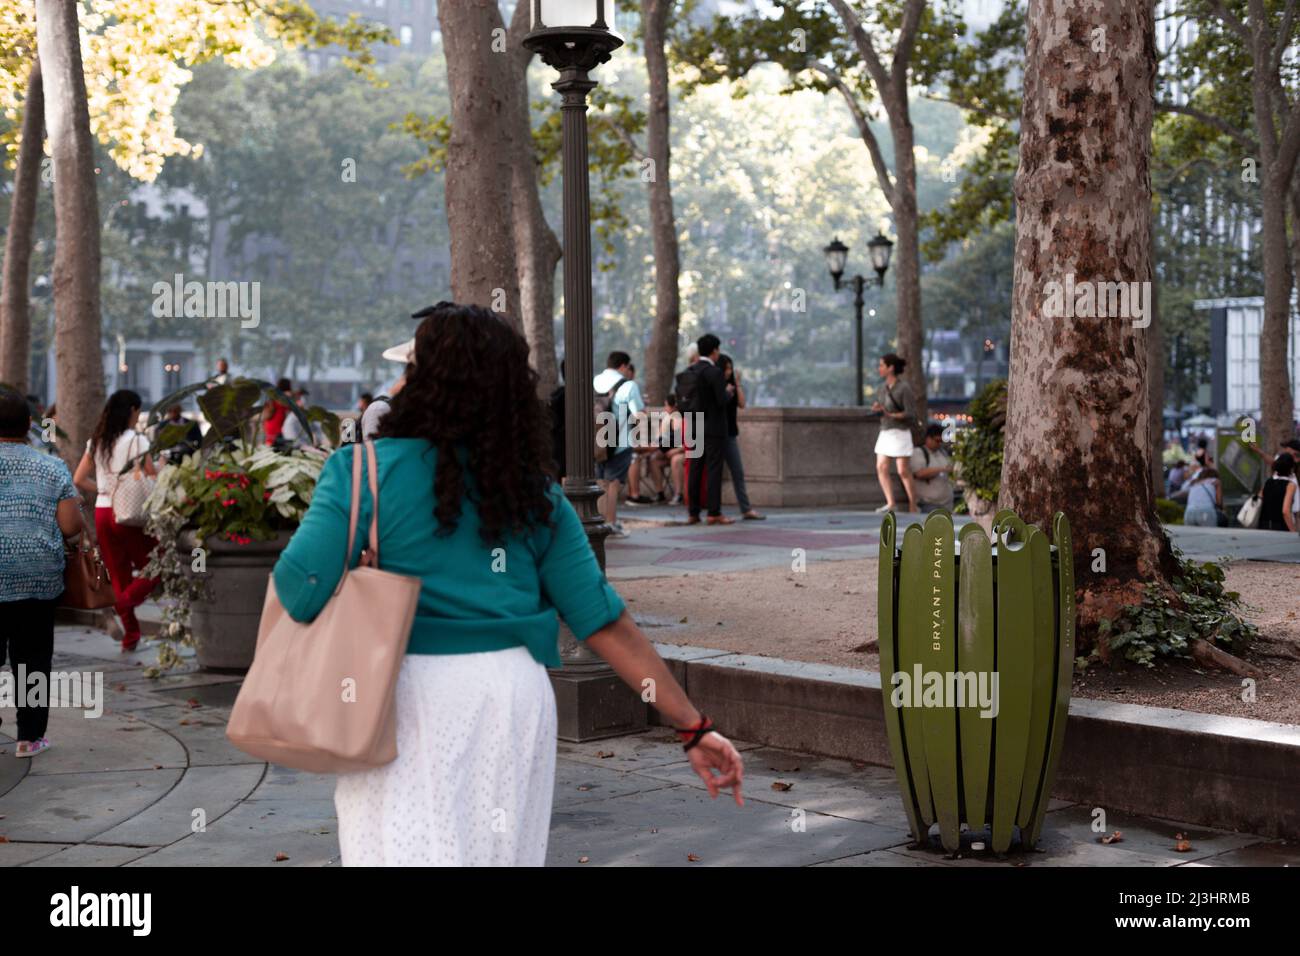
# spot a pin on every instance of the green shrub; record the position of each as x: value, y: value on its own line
x: 977, y: 450
x: 1165, y: 626
x: 1169, y: 512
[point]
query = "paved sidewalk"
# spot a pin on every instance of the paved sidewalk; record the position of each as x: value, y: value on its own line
x: 133, y: 786
x: 662, y: 544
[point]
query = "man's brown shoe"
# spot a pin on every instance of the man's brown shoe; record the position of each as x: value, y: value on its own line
x: 693, y: 519
x: 721, y: 519
x: 752, y: 515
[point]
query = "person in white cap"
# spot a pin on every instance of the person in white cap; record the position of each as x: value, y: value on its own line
x: 378, y: 408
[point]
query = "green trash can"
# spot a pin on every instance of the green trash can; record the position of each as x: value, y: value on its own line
x: 976, y: 657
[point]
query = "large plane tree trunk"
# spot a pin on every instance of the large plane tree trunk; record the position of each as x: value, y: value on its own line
x: 478, y: 172
x: 661, y: 355
x: 15, y: 292
x: 537, y: 250
x: 78, y: 358
x: 1078, y: 428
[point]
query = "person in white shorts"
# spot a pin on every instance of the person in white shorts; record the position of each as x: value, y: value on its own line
x: 894, y: 442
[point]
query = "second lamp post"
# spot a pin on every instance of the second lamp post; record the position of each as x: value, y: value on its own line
x: 837, y: 254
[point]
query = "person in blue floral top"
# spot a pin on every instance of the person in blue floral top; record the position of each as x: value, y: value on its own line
x: 38, y: 510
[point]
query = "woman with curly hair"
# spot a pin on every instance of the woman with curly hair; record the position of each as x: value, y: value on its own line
x: 470, y: 507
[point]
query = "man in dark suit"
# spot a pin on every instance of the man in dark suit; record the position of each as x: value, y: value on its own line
x: 711, y: 395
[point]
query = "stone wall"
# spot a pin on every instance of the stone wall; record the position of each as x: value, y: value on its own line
x: 803, y: 457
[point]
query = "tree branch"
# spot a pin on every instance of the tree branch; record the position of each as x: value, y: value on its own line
x: 624, y: 136
x: 1289, y: 145
x: 864, y: 127
x: 906, y: 42
x: 1231, y: 21
x: 1283, y: 41
x: 1209, y: 119
x: 971, y: 108
x: 875, y: 68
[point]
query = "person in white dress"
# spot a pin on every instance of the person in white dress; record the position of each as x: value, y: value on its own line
x: 468, y: 506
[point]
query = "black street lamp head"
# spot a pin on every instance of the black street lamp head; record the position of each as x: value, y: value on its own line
x: 880, y: 248
x: 572, y: 34
x: 837, y: 254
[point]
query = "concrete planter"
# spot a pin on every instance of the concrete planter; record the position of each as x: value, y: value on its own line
x: 808, y: 457
x: 225, y: 622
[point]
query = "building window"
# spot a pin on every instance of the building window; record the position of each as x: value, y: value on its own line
x: 405, y: 34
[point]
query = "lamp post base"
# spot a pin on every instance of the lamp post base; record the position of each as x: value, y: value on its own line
x: 591, y: 704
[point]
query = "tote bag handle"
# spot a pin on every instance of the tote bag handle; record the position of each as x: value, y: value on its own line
x: 372, y: 474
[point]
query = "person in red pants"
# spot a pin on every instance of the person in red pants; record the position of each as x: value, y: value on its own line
x: 125, y: 549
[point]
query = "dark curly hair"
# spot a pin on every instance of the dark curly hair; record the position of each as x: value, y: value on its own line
x: 473, y: 396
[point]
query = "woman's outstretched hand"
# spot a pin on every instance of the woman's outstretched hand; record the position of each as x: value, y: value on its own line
x: 713, y: 753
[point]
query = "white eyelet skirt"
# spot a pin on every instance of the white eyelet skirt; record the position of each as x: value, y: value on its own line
x: 894, y: 443
x: 475, y: 771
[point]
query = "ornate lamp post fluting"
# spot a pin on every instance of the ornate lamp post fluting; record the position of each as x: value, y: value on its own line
x: 837, y: 254
x: 573, y: 36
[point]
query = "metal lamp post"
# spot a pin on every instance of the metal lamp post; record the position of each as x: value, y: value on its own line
x: 837, y: 254
x: 573, y: 36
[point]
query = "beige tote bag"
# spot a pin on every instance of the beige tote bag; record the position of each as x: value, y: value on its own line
x: 320, y: 696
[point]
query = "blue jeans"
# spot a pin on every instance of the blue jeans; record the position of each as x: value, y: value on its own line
x: 1200, y: 517
x: 737, y: 469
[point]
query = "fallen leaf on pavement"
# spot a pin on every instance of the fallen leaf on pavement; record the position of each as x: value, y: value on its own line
x: 781, y: 785
x: 1115, y: 837
x: 691, y: 857
x: 281, y: 857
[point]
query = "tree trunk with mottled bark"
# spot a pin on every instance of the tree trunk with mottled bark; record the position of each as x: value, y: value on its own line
x: 1155, y: 340
x: 479, y: 155
x: 661, y: 355
x: 78, y: 349
x: 1078, y: 436
x: 907, y: 256
x: 1278, y: 150
x: 537, y: 250
x: 15, y: 293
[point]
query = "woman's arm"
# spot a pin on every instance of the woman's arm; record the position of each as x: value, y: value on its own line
x: 635, y: 660
x: 84, y: 478
x: 740, y: 391
x: 1287, y: 500
x: 68, y: 515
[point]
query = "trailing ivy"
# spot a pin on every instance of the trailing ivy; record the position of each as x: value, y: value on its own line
x: 1165, y: 625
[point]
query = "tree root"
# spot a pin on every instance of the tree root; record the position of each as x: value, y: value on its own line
x: 1203, y: 652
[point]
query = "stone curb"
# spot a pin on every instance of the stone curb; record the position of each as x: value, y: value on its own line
x: 1224, y: 772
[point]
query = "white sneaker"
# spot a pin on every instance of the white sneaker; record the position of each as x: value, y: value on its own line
x: 616, y: 530
x: 883, y: 508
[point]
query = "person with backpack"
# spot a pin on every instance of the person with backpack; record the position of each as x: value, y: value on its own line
x: 619, y: 396
x: 702, y: 390
x: 932, y: 470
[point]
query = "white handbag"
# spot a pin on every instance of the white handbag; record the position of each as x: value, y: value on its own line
x: 1248, y: 516
x: 130, y: 491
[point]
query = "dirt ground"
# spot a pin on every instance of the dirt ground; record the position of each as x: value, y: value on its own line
x: 766, y: 612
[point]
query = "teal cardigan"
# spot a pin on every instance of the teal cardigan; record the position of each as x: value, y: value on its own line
x: 472, y: 597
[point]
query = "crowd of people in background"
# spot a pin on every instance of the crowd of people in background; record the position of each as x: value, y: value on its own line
x: 666, y: 458
x: 1197, y: 484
